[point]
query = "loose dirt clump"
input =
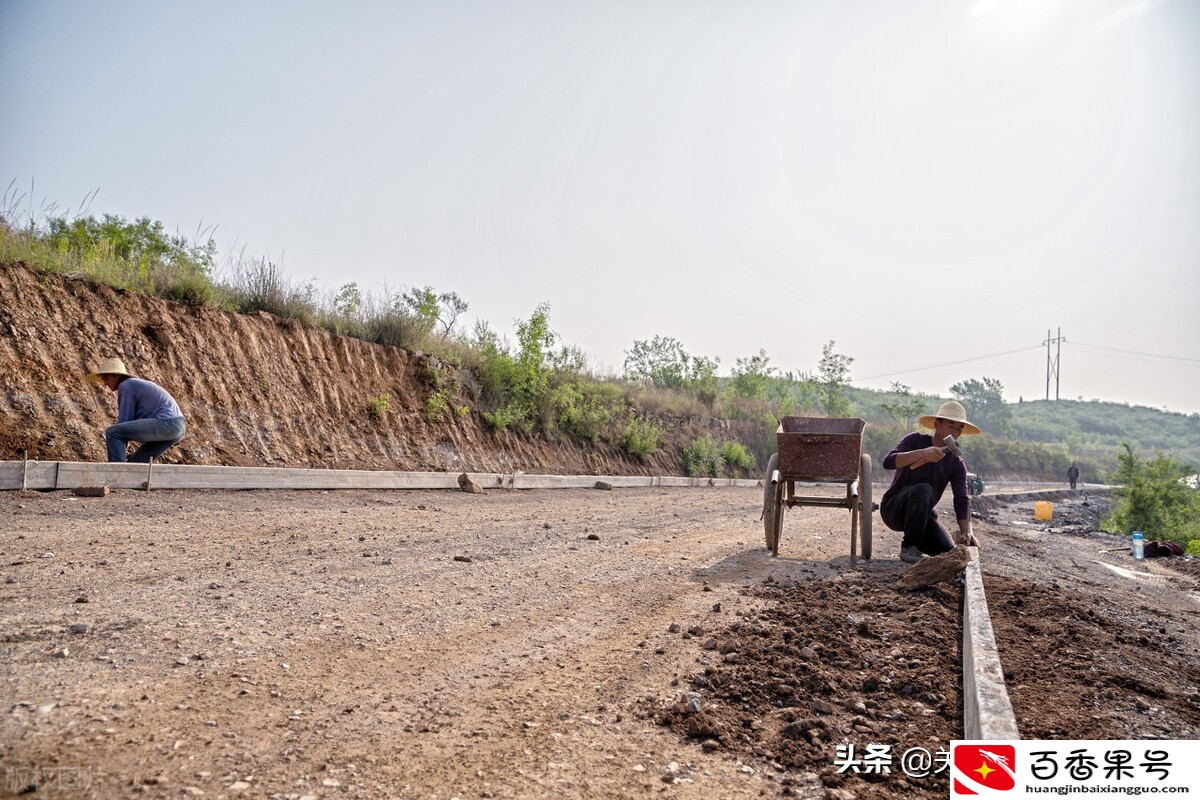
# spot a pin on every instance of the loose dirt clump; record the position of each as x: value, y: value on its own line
x: 822, y: 673
x: 1118, y: 672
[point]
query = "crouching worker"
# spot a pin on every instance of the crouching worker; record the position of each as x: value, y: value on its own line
x: 145, y: 413
x: 923, y: 469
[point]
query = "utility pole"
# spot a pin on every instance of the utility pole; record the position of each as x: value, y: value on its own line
x: 1052, y: 363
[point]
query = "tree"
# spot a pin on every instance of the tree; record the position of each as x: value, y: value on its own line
x: 984, y: 401
x: 431, y: 308
x: 662, y: 361
x: 1153, y: 496
x: 906, y: 406
x: 751, y: 375
x: 348, y: 300
x: 832, y: 373
x: 451, y: 307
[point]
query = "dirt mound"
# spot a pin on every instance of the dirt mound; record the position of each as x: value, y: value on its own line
x: 828, y: 663
x: 256, y: 390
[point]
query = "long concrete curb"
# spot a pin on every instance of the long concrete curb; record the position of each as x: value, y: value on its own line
x: 987, y: 711
x: 16, y: 475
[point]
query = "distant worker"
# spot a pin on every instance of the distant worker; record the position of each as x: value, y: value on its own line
x: 145, y: 413
x: 1073, y: 475
x: 923, y: 468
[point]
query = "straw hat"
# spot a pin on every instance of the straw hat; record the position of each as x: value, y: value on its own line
x: 951, y: 410
x: 110, y: 366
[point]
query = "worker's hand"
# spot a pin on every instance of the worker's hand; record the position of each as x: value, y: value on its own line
x: 969, y: 540
x: 929, y: 455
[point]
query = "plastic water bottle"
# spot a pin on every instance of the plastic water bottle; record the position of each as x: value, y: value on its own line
x: 1138, y: 544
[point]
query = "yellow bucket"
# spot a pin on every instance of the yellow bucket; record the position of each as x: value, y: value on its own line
x: 1043, y: 510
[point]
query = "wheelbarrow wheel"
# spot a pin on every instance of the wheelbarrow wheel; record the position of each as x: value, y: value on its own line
x: 866, y: 507
x: 772, y: 513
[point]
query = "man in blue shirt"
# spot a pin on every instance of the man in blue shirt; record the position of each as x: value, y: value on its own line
x: 145, y: 413
x: 923, y: 469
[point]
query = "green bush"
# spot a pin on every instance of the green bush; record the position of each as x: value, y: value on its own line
x: 640, y: 437
x: 702, y: 458
x: 440, y: 407
x: 518, y: 385
x: 737, y: 458
x: 379, y: 405
x: 1152, y: 497
x: 187, y: 286
x: 579, y: 412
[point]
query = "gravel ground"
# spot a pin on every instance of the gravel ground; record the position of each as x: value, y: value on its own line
x: 536, y: 644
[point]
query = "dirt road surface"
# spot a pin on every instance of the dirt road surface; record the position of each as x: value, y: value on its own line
x: 571, y: 643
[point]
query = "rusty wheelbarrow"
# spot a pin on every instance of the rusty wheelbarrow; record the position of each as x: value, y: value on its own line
x: 816, y: 450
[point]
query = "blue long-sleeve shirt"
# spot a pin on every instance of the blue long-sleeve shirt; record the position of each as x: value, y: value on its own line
x: 950, y: 470
x: 142, y: 399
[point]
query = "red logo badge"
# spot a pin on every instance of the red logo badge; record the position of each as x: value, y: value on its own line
x: 983, y: 768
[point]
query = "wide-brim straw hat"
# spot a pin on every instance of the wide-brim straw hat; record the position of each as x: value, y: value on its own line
x: 953, y: 411
x: 110, y: 366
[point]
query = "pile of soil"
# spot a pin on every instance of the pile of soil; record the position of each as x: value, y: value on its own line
x: 824, y: 672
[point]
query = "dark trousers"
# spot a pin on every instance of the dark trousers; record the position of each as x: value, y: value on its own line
x: 911, y: 510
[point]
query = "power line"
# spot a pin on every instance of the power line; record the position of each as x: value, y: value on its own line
x: 947, y: 363
x: 1097, y: 348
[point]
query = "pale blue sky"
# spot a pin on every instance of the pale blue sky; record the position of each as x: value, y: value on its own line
x: 923, y: 182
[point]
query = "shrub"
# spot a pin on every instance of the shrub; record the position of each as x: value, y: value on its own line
x: 263, y: 285
x: 440, y: 407
x: 737, y: 458
x: 518, y: 386
x: 702, y: 458
x: 579, y: 411
x: 640, y: 437
x: 379, y: 405
x: 1153, y: 497
x: 187, y: 286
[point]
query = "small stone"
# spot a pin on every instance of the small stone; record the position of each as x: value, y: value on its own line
x: 593, y: 537
x: 83, y: 598
x: 79, y: 628
x: 605, y: 485
x: 673, y: 627
x: 822, y: 707
x: 238, y: 786
x: 710, y: 745
x: 717, y: 608
x: 62, y: 653
x: 808, y: 654
x: 464, y: 559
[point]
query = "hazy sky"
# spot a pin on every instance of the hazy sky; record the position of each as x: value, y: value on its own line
x: 926, y: 183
